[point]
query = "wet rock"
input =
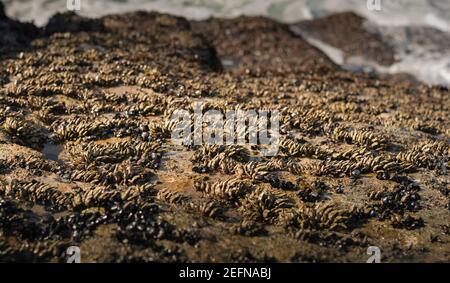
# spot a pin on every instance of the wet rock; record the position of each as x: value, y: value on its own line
x: 347, y: 32
x: 15, y: 35
x: 71, y: 22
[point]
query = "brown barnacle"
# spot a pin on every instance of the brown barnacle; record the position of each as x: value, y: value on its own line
x: 204, y: 153
x: 219, y: 158
x: 222, y: 163
x: 20, y: 89
x: 355, y: 153
x: 142, y: 108
x: 77, y: 128
x: 209, y: 208
x: 160, y: 131
x: 427, y: 154
x: 169, y: 127
x: 33, y: 162
x: 87, y: 176
x: 261, y: 205
x: 172, y: 197
x: 229, y: 189
x: 377, y: 194
x: 138, y: 192
x: 345, y: 107
x: 98, y: 107
x: 65, y: 130
x: 304, y: 217
x: 277, y: 164
x: 238, y: 153
x: 125, y: 173
x: 333, y: 168
x: 248, y: 228
x: 300, y: 148
x: 308, y: 121
x: 324, y: 216
x: 208, y: 152
x: 406, y: 167
x: 378, y: 164
x: 364, y: 137
x: 252, y: 170
x: 293, y: 166
x: 172, y: 104
x: 287, y: 217
x: 435, y: 148
x: 329, y: 216
x: 40, y: 193
x: 128, y: 174
x: 94, y: 196
x: 414, y: 157
x: 92, y: 153
x: 24, y: 132
x: 318, y: 168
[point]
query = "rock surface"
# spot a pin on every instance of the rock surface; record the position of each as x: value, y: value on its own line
x: 14, y: 34
x: 87, y: 159
x: 347, y: 32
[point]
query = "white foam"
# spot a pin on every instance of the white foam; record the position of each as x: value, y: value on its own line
x: 433, y: 13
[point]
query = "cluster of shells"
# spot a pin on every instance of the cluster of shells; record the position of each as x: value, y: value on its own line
x: 105, y: 104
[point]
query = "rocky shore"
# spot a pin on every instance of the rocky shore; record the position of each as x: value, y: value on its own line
x: 87, y: 160
x: 346, y: 31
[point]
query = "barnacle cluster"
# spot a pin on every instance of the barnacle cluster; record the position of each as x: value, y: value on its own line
x: 228, y: 189
x: 87, y: 157
x: 361, y: 137
x: 24, y: 132
x: 265, y: 206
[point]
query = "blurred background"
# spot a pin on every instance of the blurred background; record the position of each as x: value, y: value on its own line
x: 414, y: 35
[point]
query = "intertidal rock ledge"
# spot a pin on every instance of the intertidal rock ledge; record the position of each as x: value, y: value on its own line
x: 86, y: 157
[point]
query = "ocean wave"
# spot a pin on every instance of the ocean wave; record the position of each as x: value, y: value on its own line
x: 433, y: 13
